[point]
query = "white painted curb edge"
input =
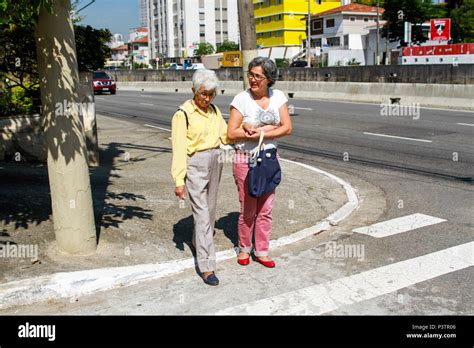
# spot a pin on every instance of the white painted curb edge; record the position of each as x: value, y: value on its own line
x: 80, y: 283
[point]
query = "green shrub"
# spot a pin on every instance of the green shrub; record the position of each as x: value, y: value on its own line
x: 19, y: 101
x: 282, y: 63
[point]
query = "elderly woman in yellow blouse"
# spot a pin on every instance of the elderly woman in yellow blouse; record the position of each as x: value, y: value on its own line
x: 198, y: 129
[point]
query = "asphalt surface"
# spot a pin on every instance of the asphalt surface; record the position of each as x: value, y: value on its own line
x: 393, y: 178
x: 428, y: 141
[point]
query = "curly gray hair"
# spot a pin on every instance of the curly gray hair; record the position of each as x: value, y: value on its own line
x: 269, y: 68
x: 205, y: 78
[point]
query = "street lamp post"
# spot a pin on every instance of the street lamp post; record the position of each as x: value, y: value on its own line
x: 308, y: 36
x: 248, y: 36
x: 378, y: 36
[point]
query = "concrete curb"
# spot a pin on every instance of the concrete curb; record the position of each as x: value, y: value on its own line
x: 80, y: 283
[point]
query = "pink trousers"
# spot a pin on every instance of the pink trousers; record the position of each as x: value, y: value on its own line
x: 254, y: 212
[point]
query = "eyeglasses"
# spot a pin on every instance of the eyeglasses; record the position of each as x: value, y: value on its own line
x: 205, y: 94
x: 256, y: 77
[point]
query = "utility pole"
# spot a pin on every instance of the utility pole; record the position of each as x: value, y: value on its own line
x: 248, y: 36
x: 308, y: 36
x: 377, y: 58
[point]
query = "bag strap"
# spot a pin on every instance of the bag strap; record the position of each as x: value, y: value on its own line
x: 214, y: 108
x: 256, y: 153
x: 260, y: 141
x: 185, y: 115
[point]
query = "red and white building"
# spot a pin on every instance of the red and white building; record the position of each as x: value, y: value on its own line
x: 120, y: 53
x: 138, y: 46
x: 342, y: 33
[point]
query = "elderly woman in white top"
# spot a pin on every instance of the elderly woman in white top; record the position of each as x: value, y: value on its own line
x: 260, y: 108
x: 198, y: 129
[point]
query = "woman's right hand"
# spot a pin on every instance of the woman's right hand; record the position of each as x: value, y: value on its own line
x: 180, y: 192
x: 248, y: 129
x: 254, y: 136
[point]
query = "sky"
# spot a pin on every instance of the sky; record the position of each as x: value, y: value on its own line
x: 116, y: 15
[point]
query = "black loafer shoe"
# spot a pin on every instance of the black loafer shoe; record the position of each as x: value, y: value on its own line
x: 211, y: 280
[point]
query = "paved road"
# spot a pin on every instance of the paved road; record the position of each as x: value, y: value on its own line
x: 431, y: 141
x: 408, y: 249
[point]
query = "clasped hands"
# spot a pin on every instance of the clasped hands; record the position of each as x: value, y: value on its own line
x: 253, y: 133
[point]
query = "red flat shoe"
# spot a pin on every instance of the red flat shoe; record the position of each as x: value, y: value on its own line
x: 243, y: 262
x: 269, y: 264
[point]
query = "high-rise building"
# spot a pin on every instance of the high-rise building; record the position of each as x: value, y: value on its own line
x: 143, y: 12
x: 281, y: 26
x: 176, y: 27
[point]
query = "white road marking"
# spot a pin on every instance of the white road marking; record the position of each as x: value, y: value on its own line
x: 396, y: 137
x: 165, y: 129
x: 465, y: 124
x: 298, y: 108
x: 398, y: 225
x: 146, y: 104
x: 441, y: 109
x: 378, y: 104
x: 323, y: 298
x: 69, y: 284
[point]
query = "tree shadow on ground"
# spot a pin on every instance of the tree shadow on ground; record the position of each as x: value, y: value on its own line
x: 108, y: 207
x: 25, y: 200
x: 25, y: 197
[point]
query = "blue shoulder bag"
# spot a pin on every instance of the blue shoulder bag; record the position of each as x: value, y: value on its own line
x: 264, y: 170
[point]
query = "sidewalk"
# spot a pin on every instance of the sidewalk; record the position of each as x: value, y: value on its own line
x: 141, y: 221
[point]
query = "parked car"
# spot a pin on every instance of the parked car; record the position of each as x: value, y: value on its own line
x: 197, y: 66
x: 103, y: 82
x: 299, y: 64
x: 175, y: 66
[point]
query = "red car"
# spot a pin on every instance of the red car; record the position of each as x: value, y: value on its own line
x: 103, y: 82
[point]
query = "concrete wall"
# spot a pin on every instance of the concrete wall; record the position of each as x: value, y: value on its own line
x: 437, y: 74
x: 22, y: 136
x: 430, y: 95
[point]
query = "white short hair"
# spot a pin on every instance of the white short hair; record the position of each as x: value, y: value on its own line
x: 205, y: 78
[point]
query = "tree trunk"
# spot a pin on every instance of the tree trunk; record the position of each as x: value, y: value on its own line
x: 248, y: 36
x: 69, y: 181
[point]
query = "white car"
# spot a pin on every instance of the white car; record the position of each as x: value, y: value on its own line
x: 197, y: 66
x: 175, y: 66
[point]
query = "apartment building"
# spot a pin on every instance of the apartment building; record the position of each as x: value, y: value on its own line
x: 143, y: 12
x: 280, y: 26
x: 176, y: 27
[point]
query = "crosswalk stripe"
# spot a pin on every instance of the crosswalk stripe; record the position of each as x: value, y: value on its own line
x: 398, y: 225
x: 327, y: 297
